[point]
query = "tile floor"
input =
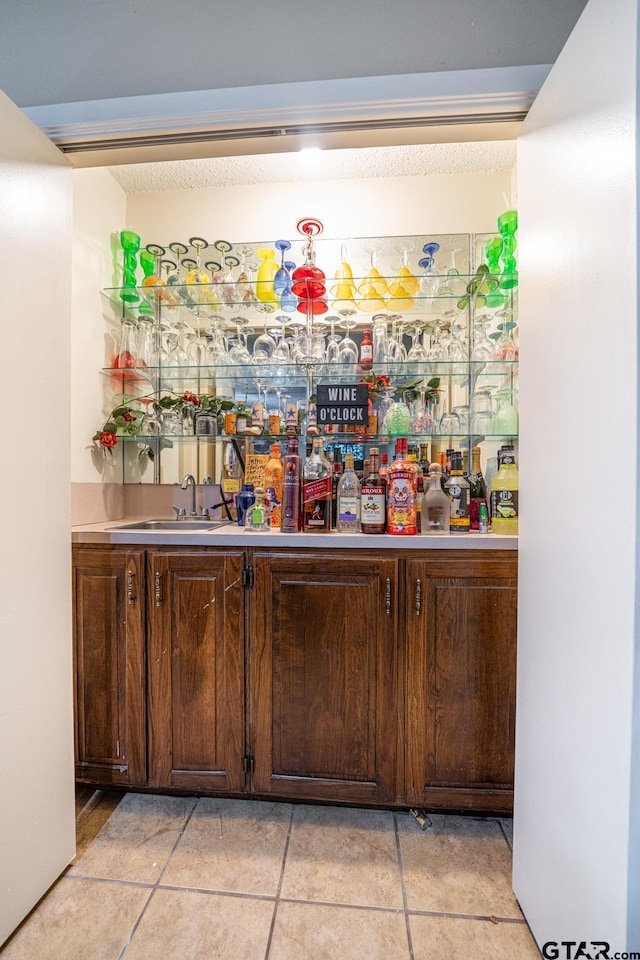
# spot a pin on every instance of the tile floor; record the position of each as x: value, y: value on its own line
x: 181, y: 878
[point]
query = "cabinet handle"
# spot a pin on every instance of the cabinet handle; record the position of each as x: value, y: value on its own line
x: 130, y: 593
x: 387, y: 597
x: 418, y: 597
x: 158, y: 589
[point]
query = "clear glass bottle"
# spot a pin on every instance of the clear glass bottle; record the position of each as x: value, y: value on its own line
x: 458, y: 490
x: 436, y: 506
x: 504, y: 495
x: 316, y: 490
x: 348, y: 518
x: 257, y: 518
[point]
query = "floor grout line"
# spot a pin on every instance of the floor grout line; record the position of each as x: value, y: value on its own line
x: 403, y: 885
x: 125, y: 948
x: 279, y: 887
x: 465, y: 916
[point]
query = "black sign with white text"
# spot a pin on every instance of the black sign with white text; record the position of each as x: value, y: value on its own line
x: 341, y: 404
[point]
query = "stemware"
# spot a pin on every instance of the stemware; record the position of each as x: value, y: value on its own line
x: 267, y: 271
x: 130, y: 243
x: 421, y: 419
x: 437, y: 353
x: 333, y: 342
x: 264, y: 345
x: 417, y: 354
x: 505, y: 419
x: 481, y: 412
x: 347, y: 348
x: 429, y: 281
x: 508, y: 225
x: 404, y: 286
x: 374, y: 290
x: 282, y: 277
x: 178, y: 278
x: 449, y: 425
x: 380, y: 353
x: 344, y: 288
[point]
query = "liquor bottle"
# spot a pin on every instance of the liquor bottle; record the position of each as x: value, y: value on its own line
x: 401, y: 493
x: 348, y: 499
x: 384, y: 465
x: 366, y: 350
x: 477, y: 490
x: 444, y: 471
x: 244, y: 500
x: 291, y: 479
x: 436, y: 506
x: 316, y: 491
x: 458, y: 490
x: 413, y: 457
x: 273, y: 484
x: 424, y: 459
x: 373, y: 500
x: 335, y: 480
x: 257, y: 515
x: 504, y: 495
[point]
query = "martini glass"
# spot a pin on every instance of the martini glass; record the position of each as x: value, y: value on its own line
x: 282, y: 277
x: 178, y: 277
x: 374, y: 290
x: 429, y: 281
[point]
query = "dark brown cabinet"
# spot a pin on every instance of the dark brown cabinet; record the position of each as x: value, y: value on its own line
x: 323, y: 668
x: 353, y: 676
x: 109, y: 655
x: 461, y: 672
x: 196, y: 670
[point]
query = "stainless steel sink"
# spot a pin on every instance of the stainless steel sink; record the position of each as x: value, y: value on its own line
x: 178, y: 526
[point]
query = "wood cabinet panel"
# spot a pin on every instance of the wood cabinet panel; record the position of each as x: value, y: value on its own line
x: 324, y: 677
x: 196, y: 670
x: 109, y: 652
x: 461, y: 682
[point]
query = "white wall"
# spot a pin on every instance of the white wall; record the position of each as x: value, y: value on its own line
x: 37, y: 827
x: 578, y: 529
x: 382, y: 206
x: 99, y: 212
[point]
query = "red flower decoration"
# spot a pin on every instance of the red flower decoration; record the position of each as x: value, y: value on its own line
x: 191, y: 398
x: 107, y: 439
x: 128, y: 418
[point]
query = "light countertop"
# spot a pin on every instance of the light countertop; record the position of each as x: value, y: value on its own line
x: 232, y: 535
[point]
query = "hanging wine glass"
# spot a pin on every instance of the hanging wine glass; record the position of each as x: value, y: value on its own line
x: 170, y: 295
x: 214, y: 293
x: 229, y: 286
x: 245, y: 292
x: 417, y: 354
x: 347, y: 348
x: 437, y: 352
x: 264, y: 345
x: 331, y: 352
x: 178, y: 277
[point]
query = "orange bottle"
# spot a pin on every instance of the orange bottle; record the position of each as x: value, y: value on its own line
x: 402, y: 487
x: 273, y: 485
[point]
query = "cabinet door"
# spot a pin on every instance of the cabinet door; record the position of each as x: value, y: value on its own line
x: 461, y: 658
x: 108, y: 597
x: 196, y: 670
x: 323, y: 677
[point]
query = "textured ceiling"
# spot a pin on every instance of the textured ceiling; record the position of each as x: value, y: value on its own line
x: 411, y: 161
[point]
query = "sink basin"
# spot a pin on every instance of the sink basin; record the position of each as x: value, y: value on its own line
x: 178, y: 526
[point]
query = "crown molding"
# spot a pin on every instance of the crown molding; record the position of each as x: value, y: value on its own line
x: 501, y: 94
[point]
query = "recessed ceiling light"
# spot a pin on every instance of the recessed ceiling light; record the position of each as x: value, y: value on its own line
x: 310, y: 154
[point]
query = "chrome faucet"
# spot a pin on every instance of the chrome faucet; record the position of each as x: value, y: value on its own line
x: 186, y: 480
